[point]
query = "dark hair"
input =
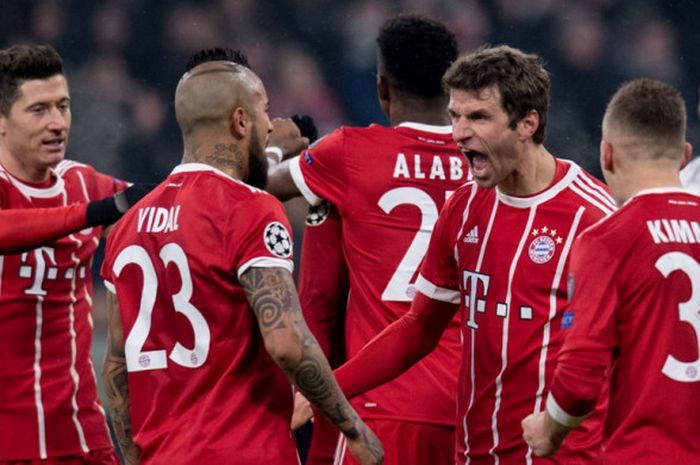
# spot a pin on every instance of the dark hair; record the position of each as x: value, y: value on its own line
x: 520, y: 78
x: 24, y: 62
x: 217, y: 54
x: 415, y: 51
x: 652, y: 110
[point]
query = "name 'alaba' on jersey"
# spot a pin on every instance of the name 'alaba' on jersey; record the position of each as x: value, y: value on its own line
x: 203, y: 389
x: 504, y: 259
x: 389, y: 183
x: 49, y: 405
x: 636, y: 295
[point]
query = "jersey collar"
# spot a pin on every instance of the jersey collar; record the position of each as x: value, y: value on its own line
x: 426, y: 127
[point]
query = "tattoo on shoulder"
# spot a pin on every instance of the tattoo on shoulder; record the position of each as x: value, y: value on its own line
x: 270, y: 294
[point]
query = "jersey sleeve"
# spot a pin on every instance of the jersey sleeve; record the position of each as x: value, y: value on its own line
x: 323, y: 281
x: 23, y: 229
x: 585, y: 356
x: 319, y: 172
x: 438, y: 273
x: 261, y: 235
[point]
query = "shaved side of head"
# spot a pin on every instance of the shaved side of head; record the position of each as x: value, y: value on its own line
x: 206, y: 96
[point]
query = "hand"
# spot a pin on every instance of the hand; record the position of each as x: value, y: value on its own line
x: 302, y: 411
x: 365, y: 446
x: 287, y: 137
x: 543, y: 434
x: 306, y: 126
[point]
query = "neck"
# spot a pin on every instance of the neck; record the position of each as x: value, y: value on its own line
x: 629, y: 184
x: 22, y: 171
x: 426, y: 111
x: 534, y: 173
x: 224, y: 154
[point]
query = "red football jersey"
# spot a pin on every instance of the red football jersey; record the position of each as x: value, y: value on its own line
x: 504, y: 259
x: 389, y: 184
x: 636, y: 277
x: 203, y: 388
x: 49, y: 405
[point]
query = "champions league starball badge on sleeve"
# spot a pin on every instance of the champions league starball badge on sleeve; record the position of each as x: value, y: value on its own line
x: 277, y: 240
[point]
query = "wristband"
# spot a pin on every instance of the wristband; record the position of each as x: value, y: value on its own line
x: 274, y: 155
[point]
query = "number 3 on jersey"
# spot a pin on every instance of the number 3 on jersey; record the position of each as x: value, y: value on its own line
x: 136, y: 358
x: 685, y: 372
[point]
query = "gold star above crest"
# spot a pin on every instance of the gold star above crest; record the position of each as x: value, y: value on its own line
x: 545, y: 229
x: 559, y: 240
x: 553, y: 232
x: 535, y: 232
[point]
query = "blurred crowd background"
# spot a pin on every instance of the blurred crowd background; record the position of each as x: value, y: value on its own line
x: 124, y: 58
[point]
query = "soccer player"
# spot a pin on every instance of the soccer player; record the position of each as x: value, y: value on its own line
x: 499, y: 255
x: 388, y: 185
x: 50, y: 226
x: 635, y: 278
x: 202, y: 302
x: 690, y: 175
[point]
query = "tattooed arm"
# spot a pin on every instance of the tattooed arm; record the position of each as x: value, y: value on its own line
x: 115, y: 379
x: 271, y: 293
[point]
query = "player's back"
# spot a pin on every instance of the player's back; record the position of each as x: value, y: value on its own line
x: 655, y: 380
x: 203, y: 389
x: 389, y: 184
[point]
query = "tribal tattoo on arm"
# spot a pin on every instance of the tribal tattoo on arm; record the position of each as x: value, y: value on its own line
x: 272, y: 294
x: 114, y: 375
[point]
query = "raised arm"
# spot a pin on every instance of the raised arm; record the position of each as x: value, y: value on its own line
x: 114, y: 376
x: 272, y: 295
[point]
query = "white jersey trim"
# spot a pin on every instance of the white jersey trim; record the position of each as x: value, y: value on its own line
x: 663, y: 190
x: 265, y: 262
x: 110, y: 287
x: 527, y: 202
x: 426, y: 127
x: 41, y: 425
x: 300, y: 182
x: 38, y: 192
x: 201, y: 167
x: 442, y: 294
x: 560, y: 416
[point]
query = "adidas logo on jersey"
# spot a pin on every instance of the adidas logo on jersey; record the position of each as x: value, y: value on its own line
x: 472, y: 236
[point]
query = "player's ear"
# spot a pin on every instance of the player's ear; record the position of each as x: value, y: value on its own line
x: 527, y: 126
x: 687, y: 154
x: 239, y: 122
x: 607, y: 156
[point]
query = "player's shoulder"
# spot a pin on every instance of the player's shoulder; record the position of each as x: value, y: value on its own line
x: 588, y: 191
x: 66, y: 167
x: 214, y: 182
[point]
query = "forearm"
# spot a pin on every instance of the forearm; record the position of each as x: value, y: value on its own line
x: 114, y: 375
x: 271, y: 294
x: 398, y: 347
x: 25, y: 229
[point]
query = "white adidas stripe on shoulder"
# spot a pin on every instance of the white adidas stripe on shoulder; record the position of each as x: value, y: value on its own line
x: 65, y: 165
x: 585, y: 188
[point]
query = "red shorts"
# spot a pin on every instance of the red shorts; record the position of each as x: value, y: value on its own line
x: 95, y: 457
x: 407, y: 443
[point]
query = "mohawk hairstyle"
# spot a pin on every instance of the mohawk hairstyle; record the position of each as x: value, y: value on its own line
x: 217, y: 54
x: 416, y: 51
x: 24, y: 62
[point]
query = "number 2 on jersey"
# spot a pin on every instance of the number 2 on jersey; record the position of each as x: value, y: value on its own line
x: 685, y: 372
x: 400, y: 287
x: 138, y: 359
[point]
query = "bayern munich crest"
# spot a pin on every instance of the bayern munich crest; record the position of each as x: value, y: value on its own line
x: 318, y: 214
x: 277, y: 240
x: 544, y: 245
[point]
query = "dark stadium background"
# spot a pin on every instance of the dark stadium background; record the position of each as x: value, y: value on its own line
x: 124, y: 58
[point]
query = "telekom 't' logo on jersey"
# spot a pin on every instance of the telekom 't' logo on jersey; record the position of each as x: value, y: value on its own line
x: 476, y: 289
x: 43, y: 267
